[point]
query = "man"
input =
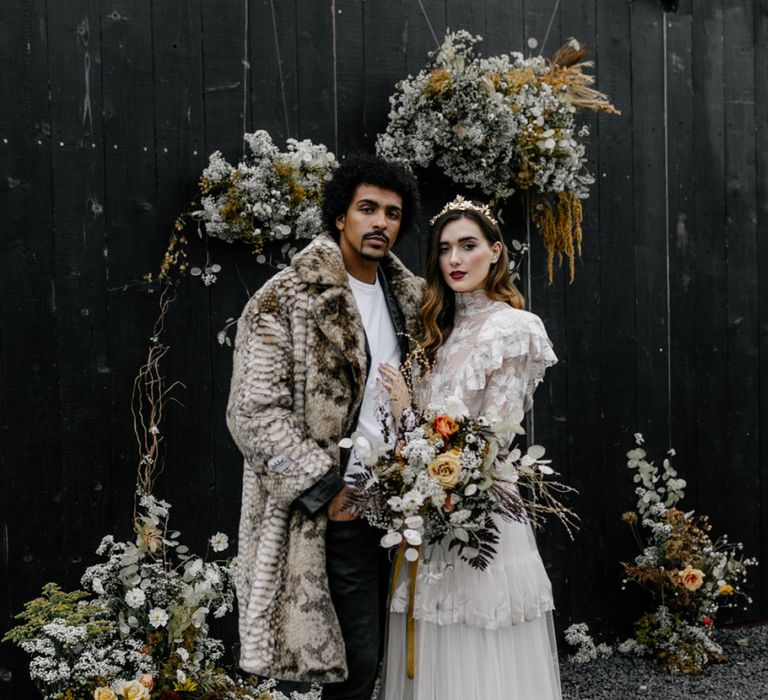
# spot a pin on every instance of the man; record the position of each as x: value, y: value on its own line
x: 309, y: 576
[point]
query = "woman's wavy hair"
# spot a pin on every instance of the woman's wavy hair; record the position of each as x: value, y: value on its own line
x: 439, y: 305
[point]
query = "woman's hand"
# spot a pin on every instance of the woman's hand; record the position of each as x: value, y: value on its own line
x: 394, y: 383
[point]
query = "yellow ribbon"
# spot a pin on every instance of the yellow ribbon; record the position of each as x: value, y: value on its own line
x: 410, y: 623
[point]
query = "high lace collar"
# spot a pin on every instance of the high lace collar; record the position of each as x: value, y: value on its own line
x: 471, y: 303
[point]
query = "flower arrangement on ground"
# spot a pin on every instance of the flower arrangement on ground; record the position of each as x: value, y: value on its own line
x: 139, y: 630
x: 446, y: 478
x: 690, y: 576
x: 502, y: 124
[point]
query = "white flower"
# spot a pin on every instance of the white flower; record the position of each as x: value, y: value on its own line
x: 194, y: 567
x: 639, y: 439
x: 454, y: 408
x: 183, y: 654
x: 414, y: 521
x: 135, y: 598
x: 98, y: 587
x: 413, y: 498
x: 219, y: 542
x: 412, y: 537
x: 158, y: 617
x: 391, y: 539
x: 220, y: 611
x: 411, y: 554
x: 181, y: 677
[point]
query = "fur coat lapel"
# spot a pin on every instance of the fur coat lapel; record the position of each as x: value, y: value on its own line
x: 320, y: 264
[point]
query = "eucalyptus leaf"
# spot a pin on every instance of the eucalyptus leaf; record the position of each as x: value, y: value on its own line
x: 461, y: 534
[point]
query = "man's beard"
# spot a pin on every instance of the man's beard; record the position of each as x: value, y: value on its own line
x: 378, y: 255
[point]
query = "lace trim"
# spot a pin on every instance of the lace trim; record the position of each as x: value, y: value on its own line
x: 471, y: 303
x: 504, y: 337
x: 518, y: 591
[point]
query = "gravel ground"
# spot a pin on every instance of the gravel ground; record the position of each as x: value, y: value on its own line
x: 620, y: 677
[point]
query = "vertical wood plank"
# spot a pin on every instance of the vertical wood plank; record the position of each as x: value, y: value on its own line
x: 350, y: 78
x: 469, y: 16
x: 420, y: 41
x: 740, y: 517
x: 711, y: 255
x: 85, y: 364
x: 132, y: 246
x: 682, y: 245
x: 584, y: 387
x: 617, y: 293
x: 384, y: 41
x: 650, y: 244
x: 30, y: 465
x: 188, y: 479
x: 385, y: 37
x: 761, y: 115
x: 503, y: 27
x: 547, y: 424
x: 224, y: 96
x: 314, y: 23
x: 274, y: 72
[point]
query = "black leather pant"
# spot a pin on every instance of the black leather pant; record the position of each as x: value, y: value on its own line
x: 358, y: 575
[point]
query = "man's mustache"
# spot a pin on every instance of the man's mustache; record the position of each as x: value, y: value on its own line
x: 376, y: 234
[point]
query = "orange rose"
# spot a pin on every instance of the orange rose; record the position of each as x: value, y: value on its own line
x: 445, y: 469
x: 691, y: 578
x: 446, y: 426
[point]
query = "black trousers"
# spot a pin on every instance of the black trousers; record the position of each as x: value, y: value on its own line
x: 358, y: 575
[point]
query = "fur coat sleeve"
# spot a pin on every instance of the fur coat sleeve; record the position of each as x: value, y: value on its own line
x: 260, y: 414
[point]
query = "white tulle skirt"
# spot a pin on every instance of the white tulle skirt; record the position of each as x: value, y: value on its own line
x: 479, y: 635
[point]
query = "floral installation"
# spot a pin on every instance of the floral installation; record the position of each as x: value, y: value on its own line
x: 269, y: 196
x: 447, y: 477
x: 690, y: 576
x: 140, y: 627
x: 502, y: 124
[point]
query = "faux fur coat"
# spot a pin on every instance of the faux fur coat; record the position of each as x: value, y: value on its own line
x: 298, y: 380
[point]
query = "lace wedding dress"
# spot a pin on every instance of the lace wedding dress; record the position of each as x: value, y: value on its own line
x: 481, y: 635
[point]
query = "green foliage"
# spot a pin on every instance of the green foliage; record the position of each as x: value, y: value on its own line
x: 56, y: 604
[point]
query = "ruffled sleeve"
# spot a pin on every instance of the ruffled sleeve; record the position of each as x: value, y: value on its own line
x: 509, y: 360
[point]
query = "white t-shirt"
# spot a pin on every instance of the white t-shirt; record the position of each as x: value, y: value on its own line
x: 382, y: 341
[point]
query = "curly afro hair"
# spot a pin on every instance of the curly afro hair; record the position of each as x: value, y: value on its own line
x: 370, y: 170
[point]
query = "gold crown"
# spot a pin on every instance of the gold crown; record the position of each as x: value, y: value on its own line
x: 460, y: 204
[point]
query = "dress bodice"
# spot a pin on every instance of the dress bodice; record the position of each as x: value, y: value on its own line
x: 493, y: 359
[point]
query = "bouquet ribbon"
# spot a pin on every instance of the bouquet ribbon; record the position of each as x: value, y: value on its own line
x: 410, y: 624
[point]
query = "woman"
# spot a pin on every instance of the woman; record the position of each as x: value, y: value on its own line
x: 479, y: 634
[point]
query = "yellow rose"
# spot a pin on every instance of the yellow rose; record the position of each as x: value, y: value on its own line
x: 135, y: 691
x: 726, y: 589
x: 104, y: 694
x: 691, y: 578
x: 445, y: 469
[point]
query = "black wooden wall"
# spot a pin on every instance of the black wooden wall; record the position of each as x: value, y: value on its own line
x: 108, y: 110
